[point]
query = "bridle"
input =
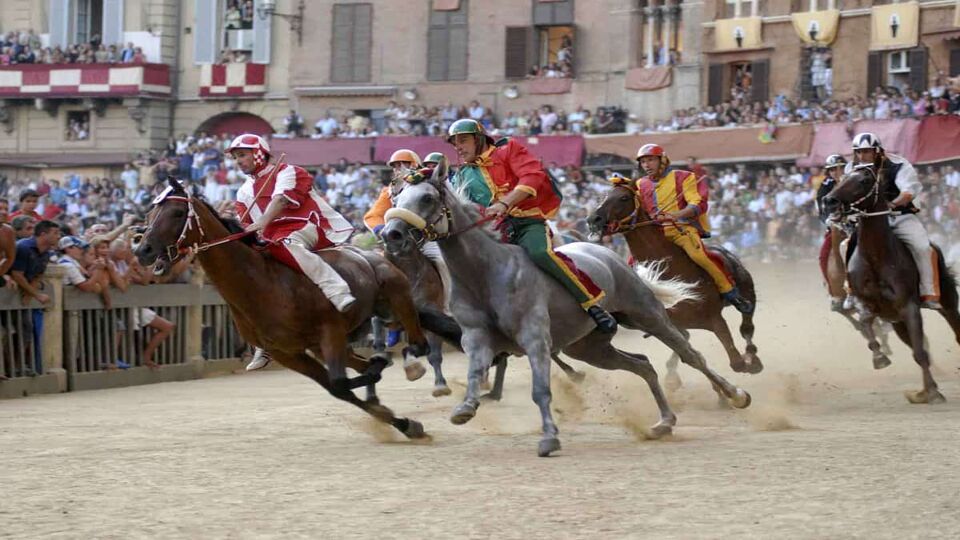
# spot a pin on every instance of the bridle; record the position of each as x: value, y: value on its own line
x: 439, y: 227
x: 633, y: 221
x: 177, y: 250
x: 855, y: 210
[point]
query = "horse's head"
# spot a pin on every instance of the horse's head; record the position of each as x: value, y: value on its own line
x: 858, y: 190
x: 618, y: 209
x: 158, y: 246
x: 419, y: 212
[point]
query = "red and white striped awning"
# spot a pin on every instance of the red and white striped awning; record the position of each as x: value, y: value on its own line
x: 84, y: 80
x: 233, y: 80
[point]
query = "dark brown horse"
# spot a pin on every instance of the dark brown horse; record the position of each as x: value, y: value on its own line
x: 622, y: 212
x: 884, y: 277
x: 280, y: 310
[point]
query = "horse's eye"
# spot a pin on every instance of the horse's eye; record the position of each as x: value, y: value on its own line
x: 624, y: 198
x: 428, y: 199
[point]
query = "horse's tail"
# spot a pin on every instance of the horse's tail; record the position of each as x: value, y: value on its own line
x: 441, y: 324
x: 948, y: 280
x: 669, y: 292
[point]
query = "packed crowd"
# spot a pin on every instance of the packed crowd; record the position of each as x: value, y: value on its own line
x: 26, y: 48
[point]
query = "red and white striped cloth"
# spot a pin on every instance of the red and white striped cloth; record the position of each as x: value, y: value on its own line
x: 68, y: 80
x: 233, y: 80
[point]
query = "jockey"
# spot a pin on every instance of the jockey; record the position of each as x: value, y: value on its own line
x: 292, y: 216
x: 834, y: 169
x: 511, y: 183
x: 901, y: 195
x: 402, y: 161
x: 676, y: 210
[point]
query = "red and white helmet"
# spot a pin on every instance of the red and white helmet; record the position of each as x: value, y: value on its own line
x: 652, y: 149
x: 261, y: 150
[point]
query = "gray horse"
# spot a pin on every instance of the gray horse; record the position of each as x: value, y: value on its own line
x: 504, y: 302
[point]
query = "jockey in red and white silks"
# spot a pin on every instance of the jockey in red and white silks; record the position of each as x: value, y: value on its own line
x: 291, y: 215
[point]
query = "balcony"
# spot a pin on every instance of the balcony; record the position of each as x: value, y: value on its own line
x: 233, y: 80
x: 84, y: 80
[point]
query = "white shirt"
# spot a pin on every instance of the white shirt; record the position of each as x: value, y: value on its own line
x: 73, y: 274
x: 906, y: 180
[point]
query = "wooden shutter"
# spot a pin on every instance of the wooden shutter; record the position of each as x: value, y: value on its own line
x: 918, y: 68
x: 553, y: 13
x: 715, y: 84
x: 59, y: 13
x: 519, y: 51
x: 447, y: 44
x: 113, y: 21
x: 760, y: 70
x: 352, y: 42
x: 261, y: 36
x: 954, y: 62
x: 438, y: 39
x: 205, y: 32
x: 874, y: 70
x: 806, y: 78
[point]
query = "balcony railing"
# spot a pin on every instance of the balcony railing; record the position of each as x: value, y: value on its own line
x: 84, y: 80
x: 233, y: 80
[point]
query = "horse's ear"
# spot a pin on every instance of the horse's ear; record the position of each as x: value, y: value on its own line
x: 175, y: 184
x: 440, y: 172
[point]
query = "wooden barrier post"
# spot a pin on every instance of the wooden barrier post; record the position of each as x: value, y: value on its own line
x: 52, y: 337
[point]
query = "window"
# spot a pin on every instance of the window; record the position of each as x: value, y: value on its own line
x: 447, y: 44
x: 352, y: 43
x: 237, y: 24
x: 661, y: 33
x: 77, y: 127
x: 88, y: 22
x: 746, y: 8
x: 230, y: 31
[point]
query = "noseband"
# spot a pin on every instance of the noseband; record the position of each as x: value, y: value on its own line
x: 439, y: 228
x: 856, y: 211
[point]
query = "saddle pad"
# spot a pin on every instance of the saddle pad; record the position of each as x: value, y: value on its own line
x: 718, y: 260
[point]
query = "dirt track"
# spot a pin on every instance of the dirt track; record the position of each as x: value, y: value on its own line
x: 830, y: 448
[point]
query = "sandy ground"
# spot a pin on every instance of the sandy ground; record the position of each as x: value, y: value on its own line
x: 829, y: 449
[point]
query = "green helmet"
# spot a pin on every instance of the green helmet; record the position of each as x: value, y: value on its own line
x: 433, y: 157
x: 467, y: 125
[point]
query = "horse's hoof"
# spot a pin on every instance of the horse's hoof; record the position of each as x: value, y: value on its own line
x: 672, y: 382
x: 441, y: 390
x: 659, y: 430
x: 490, y: 396
x: 741, y: 399
x: 415, y: 430
x: 754, y: 365
x: 548, y: 446
x: 577, y: 376
x: 463, y: 414
x: 414, y: 368
x: 929, y: 397
x: 880, y: 362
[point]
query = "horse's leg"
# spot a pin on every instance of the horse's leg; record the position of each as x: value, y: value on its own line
x: 596, y: 350
x: 575, y: 376
x: 750, y: 357
x: 722, y: 331
x: 880, y: 360
x: 658, y: 324
x: 914, y: 327
x: 479, y: 350
x: 379, y: 334
x: 435, y: 357
x: 672, y: 380
x: 303, y: 364
x: 396, y: 289
x: 883, y: 335
x: 538, y: 352
x: 496, y: 393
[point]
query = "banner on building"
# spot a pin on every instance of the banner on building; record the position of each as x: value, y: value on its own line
x: 895, y: 26
x: 739, y: 33
x: 817, y: 27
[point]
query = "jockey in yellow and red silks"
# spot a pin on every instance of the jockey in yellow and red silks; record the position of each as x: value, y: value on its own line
x: 676, y: 199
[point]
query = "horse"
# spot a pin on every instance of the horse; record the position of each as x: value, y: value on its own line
x: 622, y: 212
x: 847, y: 305
x: 282, y: 311
x: 505, y: 304
x: 884, y: 277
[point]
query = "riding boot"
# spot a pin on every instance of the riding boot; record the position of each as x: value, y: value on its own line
x: 260, y: 360
x: 741, y: 304
x: 604, y: 321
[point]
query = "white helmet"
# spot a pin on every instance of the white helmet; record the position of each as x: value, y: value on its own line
x: 866, y: 141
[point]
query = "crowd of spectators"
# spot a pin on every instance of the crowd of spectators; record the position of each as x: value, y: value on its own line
x: 561, y: 68
x: 26, y: 48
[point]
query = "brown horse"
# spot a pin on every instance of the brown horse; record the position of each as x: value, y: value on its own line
x: 622, y: 212
x: 884, y: 277
x: 845, y: 304
x: 280, y: 310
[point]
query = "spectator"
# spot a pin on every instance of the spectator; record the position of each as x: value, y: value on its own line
x: 294, y: 124
x: 23, y: 226
x: 127, y: 53
x: 33, y: 255
x: 73, y: 249
x: 29, y: 199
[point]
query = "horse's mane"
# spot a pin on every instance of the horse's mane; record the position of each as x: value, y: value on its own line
x: 232, y: 225
x: 472, y: 210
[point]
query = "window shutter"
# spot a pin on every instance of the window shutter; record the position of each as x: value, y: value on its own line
x: 205, y: 32
x: 954, y: 62
x: 261, y: 36
x: 437, y: 53
x: 447, y: 44
x: 918, y: 68
x: 874, y: 70
x: 806, y: 78
x: 113, y: 21
x: 715, y: 84
x: 760, y: 69
x: 458, y: 57
x: 362, y: 42
x: 552, y: 13
x: 521, y: 51
x: 341, y: 55
x: 59, y: 13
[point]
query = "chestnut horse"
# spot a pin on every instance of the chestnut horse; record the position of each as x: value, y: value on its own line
x: 622, y: 212
x: 884, y: 277
x: 282, y: 311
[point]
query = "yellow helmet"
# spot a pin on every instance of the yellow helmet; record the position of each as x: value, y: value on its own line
x: 404, y: 155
